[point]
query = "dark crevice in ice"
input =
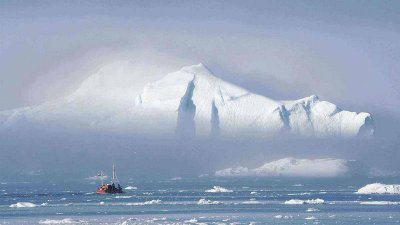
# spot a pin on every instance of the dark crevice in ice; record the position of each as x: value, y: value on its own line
x: 185, y: 126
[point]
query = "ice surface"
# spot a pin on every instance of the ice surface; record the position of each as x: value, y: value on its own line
x: 62, y: 221
x: 151, y: 202
x: 379, y: 203
x: 23, y: 205
x: 218, y: 189
x: 130, y: 188
x: 292, y: 167
x: 203, y: 201
x: 301, y: 202
x: 190, y: 102
x: 378, y: 188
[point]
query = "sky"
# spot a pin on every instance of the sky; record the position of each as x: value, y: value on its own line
x: 346, y: 52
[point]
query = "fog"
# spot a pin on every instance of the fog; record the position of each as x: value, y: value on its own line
x: 344, y: 52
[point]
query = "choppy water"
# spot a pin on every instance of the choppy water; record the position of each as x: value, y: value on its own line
x: 252, y: 201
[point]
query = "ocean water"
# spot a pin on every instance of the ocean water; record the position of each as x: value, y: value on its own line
x: 178, y: 201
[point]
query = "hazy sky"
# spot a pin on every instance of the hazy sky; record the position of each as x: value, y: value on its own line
x: 346, y: 52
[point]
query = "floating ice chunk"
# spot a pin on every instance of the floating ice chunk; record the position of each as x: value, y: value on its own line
x: 191, y: 221
x: 63, y: 221
x: 312, y: 210
x: 130, y: 188
x: 301, y: 202
x: 379, y: 203
x: 310, y: 218
x: 23, y: 205
x: 218, y: 189
x: 123, y: 196
x: 251, y: 202
x: 378, y: 188
x: 151, y: 202
x: 208, y: 202
x: 292, y: 167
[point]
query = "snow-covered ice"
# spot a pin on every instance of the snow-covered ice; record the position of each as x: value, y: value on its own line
x: 292, y: 167
x: 61, y: 221
x: 218, y: 189
x: 23, y: 205
x: 378, y: 188
x: 191, y: 101
x: 301, y: 202
x: 203, y: 201
x: 130, y: 188
x: 151, y: 202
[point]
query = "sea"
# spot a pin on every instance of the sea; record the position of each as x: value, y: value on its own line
x: 200, y: 200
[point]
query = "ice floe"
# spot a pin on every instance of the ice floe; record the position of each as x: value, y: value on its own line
x: 219, y: 189
x: 151, y: 202
x: 301, y: 202
x: 378, y: 188
x: 23, y: 205
x: 130, y: 188
x: 62, y: 221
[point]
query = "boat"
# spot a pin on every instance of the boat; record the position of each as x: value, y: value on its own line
x: 112, y: 188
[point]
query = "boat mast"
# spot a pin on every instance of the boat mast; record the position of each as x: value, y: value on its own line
x: 113, y: 176
x: 101, y: 175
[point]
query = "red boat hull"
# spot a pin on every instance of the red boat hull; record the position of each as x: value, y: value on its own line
x: 101, y: 192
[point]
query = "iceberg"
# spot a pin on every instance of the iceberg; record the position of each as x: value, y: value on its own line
x: 378, y: 188
x: 219, y: 189
x: 191, y: 102
x: 151, y: 202
x: 292, y: 167
x: 62, y: 221
x: 23, y: 205
x: 301, y: 202
x: 203, y: 201
x: 130, y: 188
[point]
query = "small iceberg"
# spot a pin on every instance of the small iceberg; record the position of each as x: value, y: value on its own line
x: 378, y: 188
x: 219, y: 189
x: 310, y: 218
x: 151, y: 202
x: 208, y: 202
x: 301, y: 202
x: 379, y: 203
x: 23, y: 205
x: 63, y: 221
x: 130, y: 188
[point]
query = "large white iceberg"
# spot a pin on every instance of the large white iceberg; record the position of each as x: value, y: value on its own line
x: 291, y: 167
x: 378, y: 188
x: 189, y: 102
